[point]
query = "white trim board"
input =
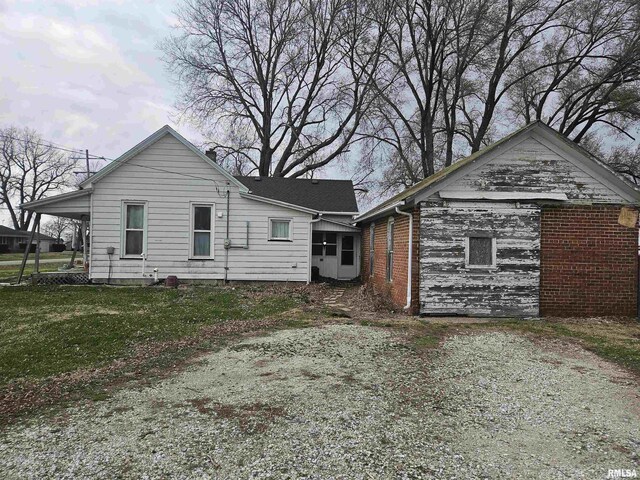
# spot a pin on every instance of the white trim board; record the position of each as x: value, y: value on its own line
x: 488, y: 195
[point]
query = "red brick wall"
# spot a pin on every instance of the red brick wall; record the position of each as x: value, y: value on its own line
x: 588, y: 264
x: 396, y: 290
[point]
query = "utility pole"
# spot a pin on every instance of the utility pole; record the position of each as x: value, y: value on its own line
x: 86, y: 152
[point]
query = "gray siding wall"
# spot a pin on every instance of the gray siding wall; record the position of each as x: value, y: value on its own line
x: 535, y: 167
x: 150, y: 176
x: 447, y: 286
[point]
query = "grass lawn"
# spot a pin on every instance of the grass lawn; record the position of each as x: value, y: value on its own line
x: 5, y: 257
x: 46, y: 331
x: 617, y: 341
x: 9, y: 273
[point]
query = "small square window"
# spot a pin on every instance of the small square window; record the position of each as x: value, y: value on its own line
x: 481, y: 252
x: 279, y: 229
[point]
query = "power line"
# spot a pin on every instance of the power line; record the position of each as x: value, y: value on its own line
x: 96, y: 157
x: 48, y: 144
x: 178, y: 173
x: 56, y: 146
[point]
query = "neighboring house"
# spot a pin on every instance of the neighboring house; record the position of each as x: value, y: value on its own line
x: 13, y: 238
x: 165, y: 205
x: 531, y: 225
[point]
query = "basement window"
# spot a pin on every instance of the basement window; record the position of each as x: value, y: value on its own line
x: 480, y: 252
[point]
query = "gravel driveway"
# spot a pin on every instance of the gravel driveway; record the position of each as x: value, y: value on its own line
x: 347, y: 401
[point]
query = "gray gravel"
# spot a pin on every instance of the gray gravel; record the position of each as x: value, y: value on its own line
x: 347, y: 401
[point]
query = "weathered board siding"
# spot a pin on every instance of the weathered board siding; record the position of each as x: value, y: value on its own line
x: 163, y: 175
x: 531, y: 166
x: 447, y: 286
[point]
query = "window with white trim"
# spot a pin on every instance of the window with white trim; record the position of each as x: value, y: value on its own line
x: 480, y: 252
x: 372, y: 247
x: 134, y: 229
x: 202, y: 228
x: 280, y: 229
x: 390, y: 240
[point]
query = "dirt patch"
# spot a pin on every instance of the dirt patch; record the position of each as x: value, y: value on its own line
x: 151, y: 360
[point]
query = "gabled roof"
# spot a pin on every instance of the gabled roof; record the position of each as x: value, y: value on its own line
x: 434, y: 180
x: 10, y: 232
x: 151, y: 139
x: 318, y: 195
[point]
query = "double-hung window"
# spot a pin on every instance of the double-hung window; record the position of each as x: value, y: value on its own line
x: 280, y: 229
x: 134, y: 231
x: 202, y: 227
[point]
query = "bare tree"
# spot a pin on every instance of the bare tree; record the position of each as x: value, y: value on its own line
x: 57, y: 226
x: 29, y: 170
x: 586, y: 73
x: 457, y: 72
x: 281, y: 85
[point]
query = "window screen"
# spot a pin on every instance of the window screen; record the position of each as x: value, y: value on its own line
x: 372, y: 243
x: 331, y: 247
x: 390, y: 241
x: 134, y: 229
x: 202, y: 230
x: 347, y: 253
x: 481, y: 251
x: 280, y: 229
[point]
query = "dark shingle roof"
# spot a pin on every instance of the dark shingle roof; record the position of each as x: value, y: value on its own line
x: 322, y: 195
x: 10, y: 232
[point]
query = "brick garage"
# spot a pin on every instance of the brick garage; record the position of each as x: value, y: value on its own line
x: 589, y: 262
x: 396, y: 289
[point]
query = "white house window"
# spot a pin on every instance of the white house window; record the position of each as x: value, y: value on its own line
x: 134, y: 231
x: 481, y: 252
x: 279, y: 229
x: 202, y: 222
x: 390, y: 228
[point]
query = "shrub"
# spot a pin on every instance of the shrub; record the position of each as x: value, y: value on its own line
x: 4, y: 248
x: 58, y: 247
x: 23, y: 246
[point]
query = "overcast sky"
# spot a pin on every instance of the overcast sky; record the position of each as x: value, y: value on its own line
x: 86, y: 73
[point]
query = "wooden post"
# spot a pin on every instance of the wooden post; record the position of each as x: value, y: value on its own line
x: 85, y: 253
x: 36, y: 267
x: 26, y: 250
x: 75, y: 246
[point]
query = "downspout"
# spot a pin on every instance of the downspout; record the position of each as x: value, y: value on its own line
x: 314, y: 220
x: 227, y: 243
x: 410, y: 255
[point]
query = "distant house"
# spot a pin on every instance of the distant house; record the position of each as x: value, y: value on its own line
x: 13, y: 238
x: 531, y: 225
x: 166, y: 206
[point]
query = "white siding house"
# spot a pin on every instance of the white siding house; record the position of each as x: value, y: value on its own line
x: 165, y: 205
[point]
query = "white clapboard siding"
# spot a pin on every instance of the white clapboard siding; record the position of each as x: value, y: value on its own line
x: 447, y: 286
x: 162, y: 175
x: 532, y: 166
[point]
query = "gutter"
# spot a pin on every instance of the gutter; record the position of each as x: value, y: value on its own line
x: 371, y: 214
x: 410, y: 255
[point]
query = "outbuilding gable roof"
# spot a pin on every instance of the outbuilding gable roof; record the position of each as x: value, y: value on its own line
x: 317, y: 194
x: 432, y: 182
